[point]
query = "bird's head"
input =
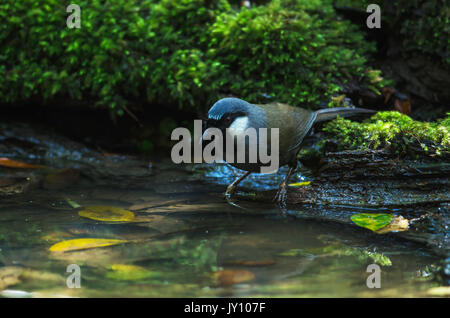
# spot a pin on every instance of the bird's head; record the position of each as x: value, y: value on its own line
x: 231, y: 113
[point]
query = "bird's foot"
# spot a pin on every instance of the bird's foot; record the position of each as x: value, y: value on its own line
x: 281, y: 196
x: 231, y: 190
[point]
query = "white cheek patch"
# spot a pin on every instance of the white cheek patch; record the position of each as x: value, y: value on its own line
x: 238, y: 127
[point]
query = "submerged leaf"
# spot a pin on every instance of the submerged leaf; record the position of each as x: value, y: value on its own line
x: 6, y: 162
x: 228, y: 277
x: 130, y: 272
x: 107, y: 214
x: 84, y: 243
x: 372, y: 221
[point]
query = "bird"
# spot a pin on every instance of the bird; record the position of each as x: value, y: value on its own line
x: 294, y: 123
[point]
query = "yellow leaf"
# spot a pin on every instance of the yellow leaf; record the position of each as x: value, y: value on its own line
x: 107, y: 214
x: 85, y: 243
x: 300, y: 184
x: 131, y: 272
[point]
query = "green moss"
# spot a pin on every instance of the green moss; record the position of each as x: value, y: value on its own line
x: 176, y: 52
x: 295, y: 51
x: 392, y: 130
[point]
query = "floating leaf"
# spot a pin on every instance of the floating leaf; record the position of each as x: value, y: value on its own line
x: 6, y: 162
x: 372, y: 221
x: 55, y: 236
x: 107, y: 214
x: 228, y: 277
x: 84, y: 243
x: 300, y: 184
x: 130, y: 272
x: 60, y: 179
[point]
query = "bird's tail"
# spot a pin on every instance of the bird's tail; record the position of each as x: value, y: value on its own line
x: 332, y: 113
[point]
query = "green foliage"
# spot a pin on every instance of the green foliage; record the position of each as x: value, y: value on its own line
x: 183, y: 52
x: 295, y: 51
x: 394, y: 130
x: 372, y: 221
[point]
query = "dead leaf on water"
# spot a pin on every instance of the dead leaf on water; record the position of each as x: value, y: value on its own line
x: 228, y: 277
x: 107, y: 214
x: 55, y: 236
x: 398, y: 224
x: 84, y: 243
x: 9, y: 163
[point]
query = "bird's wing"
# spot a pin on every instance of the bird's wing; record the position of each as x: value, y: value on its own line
x: 305, y: 120
x: 294, y: 123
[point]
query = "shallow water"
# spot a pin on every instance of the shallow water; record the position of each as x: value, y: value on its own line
x: 194, y: 233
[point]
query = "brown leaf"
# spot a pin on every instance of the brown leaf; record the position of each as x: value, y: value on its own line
x: 9, y: 163
x: 387, y: 93
x: 398, y: 224
x: 402, y: 106
x: 228, y: 277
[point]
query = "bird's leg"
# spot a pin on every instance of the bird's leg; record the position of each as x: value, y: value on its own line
x: 281, y: 195
x: 231, y: 189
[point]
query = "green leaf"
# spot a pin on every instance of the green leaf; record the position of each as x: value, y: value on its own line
x: 372, y: 221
